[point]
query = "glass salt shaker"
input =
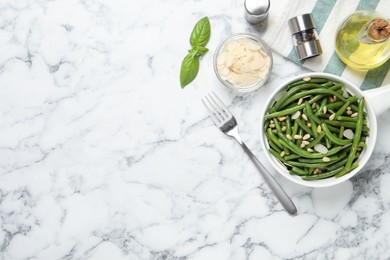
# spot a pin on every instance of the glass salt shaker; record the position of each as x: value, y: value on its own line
x: 305, y: 36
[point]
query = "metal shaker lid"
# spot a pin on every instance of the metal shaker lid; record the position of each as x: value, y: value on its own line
x: 308, y: 49
x: 301, y: 22
x: 256, y: 11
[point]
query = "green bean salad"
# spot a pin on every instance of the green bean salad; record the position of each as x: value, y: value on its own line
x: 317, y: 129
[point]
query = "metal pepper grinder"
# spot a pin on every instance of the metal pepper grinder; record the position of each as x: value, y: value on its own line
x: 256, y: 11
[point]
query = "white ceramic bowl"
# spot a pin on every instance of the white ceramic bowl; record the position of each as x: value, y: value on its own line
x: 376, y: 102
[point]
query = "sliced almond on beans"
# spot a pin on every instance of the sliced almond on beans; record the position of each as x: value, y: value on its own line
x: 282, y: 118
x: 304, y: 117
x: 306, y: 136
x: 325, y: 109
x: 345, y: 93
x: 319, y: 129
x: 354, y: 114
x: 296, y: 115
x: 332, y: 116
x: 288, y: 137
x: 282, y: 153
x: 284, y: 128
x: 325, y: 159
x: 300, y: 101
x: 307, y: 79
x: 321, y: 148
x: 297, y: 137
x: 348, y: 134
x: 309, y: 150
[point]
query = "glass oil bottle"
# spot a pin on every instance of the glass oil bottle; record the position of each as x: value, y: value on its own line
x: 362, y: 40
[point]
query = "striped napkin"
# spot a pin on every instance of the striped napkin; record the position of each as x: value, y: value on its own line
x: 327, y: 14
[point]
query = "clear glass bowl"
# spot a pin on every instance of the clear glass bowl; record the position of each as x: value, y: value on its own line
x: 256, y: 85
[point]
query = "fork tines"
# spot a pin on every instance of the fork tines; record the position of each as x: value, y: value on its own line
x: 219, y: 113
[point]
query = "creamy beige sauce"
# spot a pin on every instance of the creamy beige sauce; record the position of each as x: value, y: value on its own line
x: 243, y: 62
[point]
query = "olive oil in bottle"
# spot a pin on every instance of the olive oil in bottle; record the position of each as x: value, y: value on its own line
x: 362, y: 40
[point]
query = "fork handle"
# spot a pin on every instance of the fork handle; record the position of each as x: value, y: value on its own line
x: 275, y: 187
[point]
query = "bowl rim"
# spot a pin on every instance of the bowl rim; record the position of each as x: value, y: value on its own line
x: 254, y: 86
x: 363, y: 158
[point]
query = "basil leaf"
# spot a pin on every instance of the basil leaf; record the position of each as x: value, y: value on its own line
x: 198, y: 51
x: 201, y: 50
x: 189, y: 69
x: 201, y: 33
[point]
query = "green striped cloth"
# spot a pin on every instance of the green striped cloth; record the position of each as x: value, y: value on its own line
x: 327, y: 14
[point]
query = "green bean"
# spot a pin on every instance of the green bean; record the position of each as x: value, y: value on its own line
x: 325, y: 116
x: 303, y: 125
x: 300, y: 132
x: 345, y: 171
x: 288, y: 125
x: 334, y: 129
x: 291, y: 157
x: 291, y: 92
x: 284, y: 141
x: 274, y: 146
x: 266, y: 124
x: 310, y: 114
x: 292, y: 110
x: 350, y: 119
x: 333, y: 159
x: 271, y: 136
x: 335, y: 105
x: 285, y: 146
x: 336, y: 87
x: 327, y: 84
x: 320, y: 109
x: 337, y: 164
x: 297, y: 83
x: 362, y: 145
x: 304, y: 164
x: 279, y: 130
x: 316, y: 140
x: 297, y: 171
x: 355, y: 109
x: 327, y: 142
x: 340, y: 123
x: 356, y: 138
x: 342, y: 109
x: 276, y: 154
x: 346, y: 118
x: 322, y: 175
x: 310, y: 92
x: 334, y: 138
x: 295, y: 129
x: 318, y: 80
x: 341, y: 132
x: 314, y: 129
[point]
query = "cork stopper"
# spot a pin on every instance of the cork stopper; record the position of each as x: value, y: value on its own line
x: 379, y: 30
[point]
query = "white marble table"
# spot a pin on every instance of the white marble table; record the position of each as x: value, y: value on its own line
x: 103, y: 156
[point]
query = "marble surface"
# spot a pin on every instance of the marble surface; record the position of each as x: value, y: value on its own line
x: 103, y: 156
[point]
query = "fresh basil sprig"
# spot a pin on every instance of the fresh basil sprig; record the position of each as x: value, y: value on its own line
x: 199, y: 38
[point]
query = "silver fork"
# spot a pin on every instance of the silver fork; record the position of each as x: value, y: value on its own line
x: 226, y: 122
